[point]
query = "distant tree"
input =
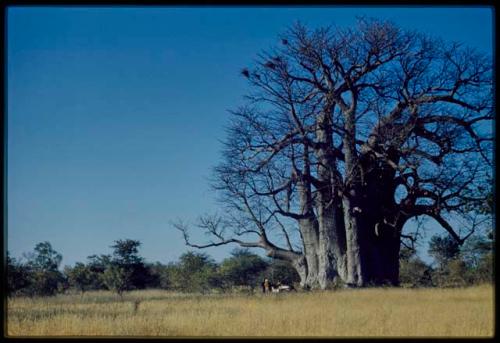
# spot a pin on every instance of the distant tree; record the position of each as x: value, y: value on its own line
x: 406, y: 253
x: 484, y: 247
x: 458, y: 274
x: 243, y: 268
x: 19, y: 276
x: 476, y: 248
x: 96, y: 266
x: 478, y: 254
x: 415, y: 273
x: 45, y: 257
x: 126, y: 270
x: 443, y: 249
x: 79, y: 277
x: 127, y: 251
x: 154, y: 275
x: 163, y: 275
x: 485, y: 271
x: 118, y: 278
x: 195, y: 272
x: 462, y: 265
x: 281, y: 271
x: 480, y: 251
x: 44, y: 263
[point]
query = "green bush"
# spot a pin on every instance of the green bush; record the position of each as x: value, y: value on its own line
x: 413, y: 272
x: 242, y: 269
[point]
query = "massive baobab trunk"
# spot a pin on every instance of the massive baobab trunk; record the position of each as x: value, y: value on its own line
x: 348, y: 135
x: 376, y: 260
x: 332, y: 246
x: 323, y: 240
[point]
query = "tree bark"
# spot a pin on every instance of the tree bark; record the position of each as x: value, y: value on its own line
x: 381, y: 233
x: 331, y: 250
x: 309, y: 232
x: 355, y: 244
x: 332, y: 243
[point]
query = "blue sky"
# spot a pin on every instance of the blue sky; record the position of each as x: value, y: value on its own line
x: 114, y: 115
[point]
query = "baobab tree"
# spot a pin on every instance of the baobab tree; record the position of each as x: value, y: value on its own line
x: 346, y: 136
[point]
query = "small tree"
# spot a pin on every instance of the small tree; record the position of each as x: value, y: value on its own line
x: 44, y: 264
x: 413, y: 272
x: 45, y: 257
x: 79, y: 277
x: 281, y: 271
x: 195, y: 272
x: 459, y: 274
x: 118, y: 278
x: 126, y: 269
x: 475, y: 248
x: 406, y: 253
x: 243, y: 268
x: 485, y: 271
x: 443, y: 249
x: 165, y: 275
x: 154, y: 275
x: 96, y: 266
x: 127, y: 251
x: 478, y: 253
x: 19, y: 276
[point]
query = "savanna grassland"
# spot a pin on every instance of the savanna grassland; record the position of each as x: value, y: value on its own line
x: 364, y: 312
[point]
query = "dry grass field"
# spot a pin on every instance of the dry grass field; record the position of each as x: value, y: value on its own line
x: 367, y: 312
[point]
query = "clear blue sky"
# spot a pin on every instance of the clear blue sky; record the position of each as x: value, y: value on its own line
x: 114, y: 115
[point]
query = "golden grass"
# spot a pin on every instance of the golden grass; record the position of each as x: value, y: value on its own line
x: 365, y: 312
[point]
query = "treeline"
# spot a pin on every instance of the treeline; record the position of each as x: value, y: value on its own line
x: 454, y: 265
x: 125, y: 269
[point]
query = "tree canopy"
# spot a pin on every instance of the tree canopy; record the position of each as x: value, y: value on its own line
x: 346, y: 135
